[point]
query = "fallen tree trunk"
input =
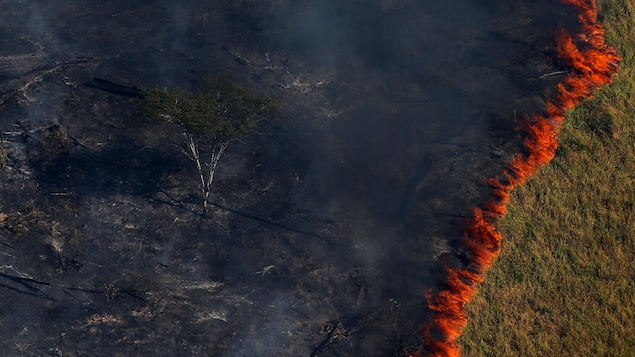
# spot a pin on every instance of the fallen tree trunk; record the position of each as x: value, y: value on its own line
x: 114, y: 88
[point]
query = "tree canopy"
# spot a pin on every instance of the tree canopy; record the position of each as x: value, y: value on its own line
x: 210, y: 117
x: 219, y: 112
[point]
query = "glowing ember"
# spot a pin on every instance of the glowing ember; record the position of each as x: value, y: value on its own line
x: 592, y: 64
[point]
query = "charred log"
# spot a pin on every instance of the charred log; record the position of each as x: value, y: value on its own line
x: 114, y: 88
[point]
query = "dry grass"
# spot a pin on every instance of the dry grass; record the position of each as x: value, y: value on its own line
x: 565, y: 282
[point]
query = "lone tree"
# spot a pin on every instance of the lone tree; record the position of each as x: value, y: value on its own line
x: 210, y: 118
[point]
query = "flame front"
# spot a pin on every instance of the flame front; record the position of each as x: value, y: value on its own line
x: 592, y: 63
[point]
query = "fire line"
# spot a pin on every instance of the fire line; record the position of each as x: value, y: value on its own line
x: 592, y: 64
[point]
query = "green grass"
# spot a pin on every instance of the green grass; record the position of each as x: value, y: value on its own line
x: 564, y: 284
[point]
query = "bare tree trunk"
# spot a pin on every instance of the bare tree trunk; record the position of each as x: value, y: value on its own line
x: 206, y: 176
x: 205, y: 197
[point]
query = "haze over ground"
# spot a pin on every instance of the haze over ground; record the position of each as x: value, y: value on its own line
x: 394, y: 112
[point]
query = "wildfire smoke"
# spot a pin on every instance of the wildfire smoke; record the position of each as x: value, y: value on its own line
x: 591, y: 63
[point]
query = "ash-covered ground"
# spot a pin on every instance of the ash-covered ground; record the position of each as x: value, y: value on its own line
x: 326, y: 230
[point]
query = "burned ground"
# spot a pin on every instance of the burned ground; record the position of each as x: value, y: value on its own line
x: 327, y: 229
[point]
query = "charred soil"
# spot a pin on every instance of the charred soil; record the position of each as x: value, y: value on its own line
x: 325, y: 231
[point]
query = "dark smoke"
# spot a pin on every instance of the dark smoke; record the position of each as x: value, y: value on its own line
x: 329, y: 228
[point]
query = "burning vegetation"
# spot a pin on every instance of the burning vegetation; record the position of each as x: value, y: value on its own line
x: 590, y: 63
x: 325, y: 233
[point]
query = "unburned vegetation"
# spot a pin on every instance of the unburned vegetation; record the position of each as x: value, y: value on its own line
x: 564, y: 283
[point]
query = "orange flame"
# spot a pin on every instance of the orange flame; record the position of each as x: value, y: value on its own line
x: 592, y: 63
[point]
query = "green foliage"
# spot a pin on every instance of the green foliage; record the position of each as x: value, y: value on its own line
x: 211, y: 118
x: 218, y: 113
